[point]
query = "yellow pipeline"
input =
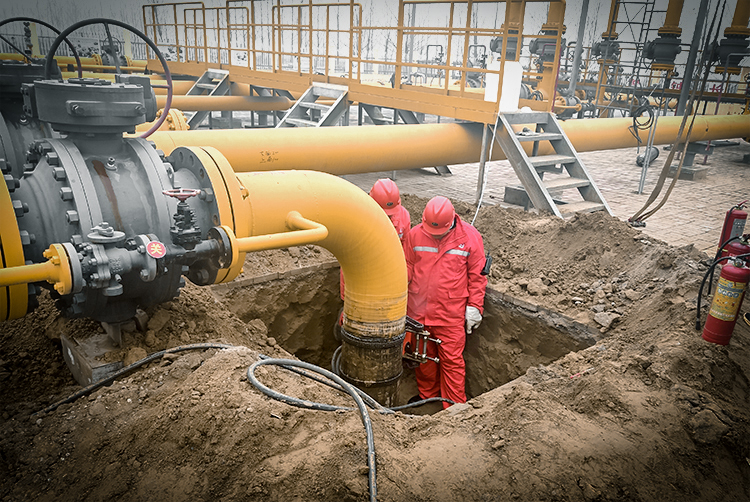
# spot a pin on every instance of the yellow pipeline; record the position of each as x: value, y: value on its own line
x: 348, y: 150
x: 359, y: 234
x: 672, y: 20
x: 56, y: 270
x: 175, y: 121
x: 740, y: 20
x: 226, y: 103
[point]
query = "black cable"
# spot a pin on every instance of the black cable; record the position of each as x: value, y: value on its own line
x: 106, y: 381
x: 364, y: 415
x: 334, y: 381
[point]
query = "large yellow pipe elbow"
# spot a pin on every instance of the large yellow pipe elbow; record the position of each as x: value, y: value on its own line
x: 359, y: 234
x: 349, y: 150
x: 310, y: 206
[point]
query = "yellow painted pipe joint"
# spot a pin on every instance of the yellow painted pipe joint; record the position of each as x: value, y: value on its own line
x: 56, y: 270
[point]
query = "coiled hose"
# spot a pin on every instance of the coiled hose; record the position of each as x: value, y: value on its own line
x: 334, y: 381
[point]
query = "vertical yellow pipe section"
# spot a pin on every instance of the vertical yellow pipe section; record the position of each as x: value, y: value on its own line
x: 740, y: 20
x: 614, y: 11
x: 366, y: 245
x: 672, y: 21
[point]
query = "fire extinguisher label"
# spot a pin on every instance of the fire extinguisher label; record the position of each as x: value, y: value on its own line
x: 738, y: 227
x: 727, y: 300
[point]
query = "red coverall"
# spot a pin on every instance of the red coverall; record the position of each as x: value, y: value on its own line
x: 444, y: 277
x: 402, y: 223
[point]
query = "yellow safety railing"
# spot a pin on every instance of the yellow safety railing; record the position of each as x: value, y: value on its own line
x: 436, y: 58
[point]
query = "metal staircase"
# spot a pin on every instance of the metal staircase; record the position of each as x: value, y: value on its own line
x: 211, y: 83
x: 542, y: 128
x: 307, y: 112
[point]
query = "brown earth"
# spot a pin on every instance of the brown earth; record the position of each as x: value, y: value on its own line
x: 636, y: 407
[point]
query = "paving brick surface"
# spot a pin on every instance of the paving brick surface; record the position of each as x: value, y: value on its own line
x: 693, y: 214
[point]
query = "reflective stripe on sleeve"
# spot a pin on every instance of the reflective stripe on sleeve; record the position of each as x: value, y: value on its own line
x: 458, y: 252
x: 426, y: 249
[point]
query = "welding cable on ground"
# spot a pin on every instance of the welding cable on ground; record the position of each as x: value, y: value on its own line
x: 336, y: 360
x: 350, y: 389
x: 91, y: 388
x: 336, y: 368
x: 703, y: 282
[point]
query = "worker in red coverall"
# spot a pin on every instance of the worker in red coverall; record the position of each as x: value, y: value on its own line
x: 386, y: 194
x: 444, y: 259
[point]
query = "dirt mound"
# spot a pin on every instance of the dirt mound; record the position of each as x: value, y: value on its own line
x: 649, y: 412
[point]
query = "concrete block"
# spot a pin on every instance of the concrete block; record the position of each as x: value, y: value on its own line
x: 517, y: 195
x: 81, y: 358
x: 689, y: 173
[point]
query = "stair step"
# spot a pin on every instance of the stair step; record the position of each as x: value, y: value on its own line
x: 580, y: 207
x: 328, y: 90
x: 205, y: 86
x: 527, y: 118
x: 312, y: 104
x: 540, y: 136
x: 566, y: 182
x: 301, y: 122
x: 551, y: 160
x: 216, y: 74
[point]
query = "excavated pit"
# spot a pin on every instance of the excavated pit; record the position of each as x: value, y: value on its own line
x: 299, y: 309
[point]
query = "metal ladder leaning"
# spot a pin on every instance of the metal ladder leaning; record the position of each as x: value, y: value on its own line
x: 307, y: 112
x: 211, y: 83
x: 542, y: 129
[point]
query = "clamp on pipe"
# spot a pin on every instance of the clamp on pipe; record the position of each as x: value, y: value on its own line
x: 56, y: 270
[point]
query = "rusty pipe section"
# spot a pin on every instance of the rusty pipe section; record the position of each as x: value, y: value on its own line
x: 349, y: 150
x: 286, y: 208
x: 227, y: 103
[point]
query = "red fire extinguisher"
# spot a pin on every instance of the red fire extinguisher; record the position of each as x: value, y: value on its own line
x: 734, y: 225
x: 725, y: 307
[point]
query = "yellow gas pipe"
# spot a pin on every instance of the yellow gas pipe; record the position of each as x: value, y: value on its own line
x: 343, y: 219
x: 349, y: 150
x: 56, y: 270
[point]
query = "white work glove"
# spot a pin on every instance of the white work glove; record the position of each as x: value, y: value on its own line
x: 473, y: 318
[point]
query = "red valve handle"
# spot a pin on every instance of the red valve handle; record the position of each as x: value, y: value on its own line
x: 182, y: 194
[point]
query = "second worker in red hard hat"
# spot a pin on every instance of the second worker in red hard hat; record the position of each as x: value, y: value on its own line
x: 386, y: 194
x: 444, y: 259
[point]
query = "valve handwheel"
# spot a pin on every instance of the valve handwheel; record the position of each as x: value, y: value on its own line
x: 182, y: 194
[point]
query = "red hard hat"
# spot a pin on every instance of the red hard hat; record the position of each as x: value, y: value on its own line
x: 385, y: 192
x: 438, y: 216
